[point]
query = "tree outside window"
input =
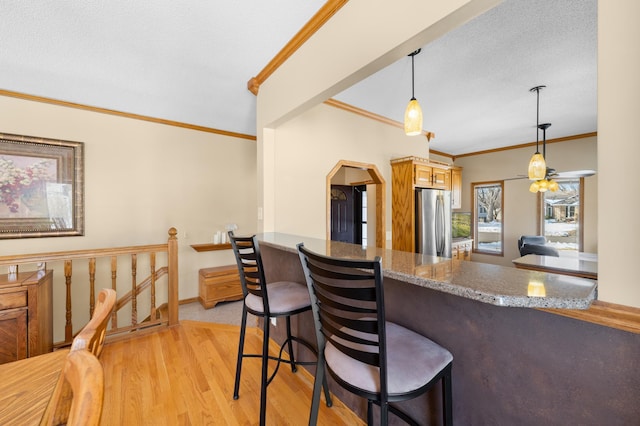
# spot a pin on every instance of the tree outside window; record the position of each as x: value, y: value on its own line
x: 487, y: 212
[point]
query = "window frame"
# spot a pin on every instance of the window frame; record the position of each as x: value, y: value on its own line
x: 542, y: 212
x: 474, y: 218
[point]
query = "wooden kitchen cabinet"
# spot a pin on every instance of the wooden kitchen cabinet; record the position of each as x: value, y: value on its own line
x: 456, y: 187
x: 431, y: 177
x: 26, y: 315
x: 407, y: 174
x: 461, y: 249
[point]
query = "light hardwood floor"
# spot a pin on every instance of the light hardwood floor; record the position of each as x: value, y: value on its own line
x: 184, y: 376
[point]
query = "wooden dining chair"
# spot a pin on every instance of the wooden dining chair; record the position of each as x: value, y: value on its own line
x: 78, y: 397
x: 92, y: 335
x: 367, y: 355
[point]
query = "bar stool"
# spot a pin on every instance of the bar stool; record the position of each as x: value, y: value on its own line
x: 365, y: 354
x: 268, y: 300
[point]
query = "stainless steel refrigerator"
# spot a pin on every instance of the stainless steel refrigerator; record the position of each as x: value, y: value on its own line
x: 433, y: 222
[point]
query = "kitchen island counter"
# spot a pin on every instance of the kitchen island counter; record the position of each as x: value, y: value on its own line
x: 512, y: 365
x: 493, y: 284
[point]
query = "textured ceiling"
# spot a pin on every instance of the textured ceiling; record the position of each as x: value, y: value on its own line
x: 181, y: 61
x: 473, y: 83
x: 190, y: 62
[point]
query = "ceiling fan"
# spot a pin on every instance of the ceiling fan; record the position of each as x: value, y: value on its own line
x: 542, y: 175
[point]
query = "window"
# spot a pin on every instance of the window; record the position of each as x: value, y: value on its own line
x: 487, y: 217
x: 562, y: 215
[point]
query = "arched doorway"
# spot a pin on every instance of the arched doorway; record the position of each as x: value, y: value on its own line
x: 374, y: 178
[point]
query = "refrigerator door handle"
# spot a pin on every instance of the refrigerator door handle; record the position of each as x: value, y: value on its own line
x: 439, y: 226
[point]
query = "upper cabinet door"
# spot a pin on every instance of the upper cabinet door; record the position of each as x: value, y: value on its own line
x: 456, y: 188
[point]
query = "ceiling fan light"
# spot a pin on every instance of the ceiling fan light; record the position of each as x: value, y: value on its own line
x: 534, y: 187
x: 553, y: 185
x: 537, y: 167
x: 544, y: 185
x: 413, y: 118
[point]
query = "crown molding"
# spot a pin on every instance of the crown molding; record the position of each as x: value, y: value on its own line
x: 315, y: 23
x: 368, y: 114
x: 74, y: 105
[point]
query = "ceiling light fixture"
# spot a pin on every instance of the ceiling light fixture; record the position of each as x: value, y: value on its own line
x: 538, y: 170
x: 413, y: 113
x: 537, y: 165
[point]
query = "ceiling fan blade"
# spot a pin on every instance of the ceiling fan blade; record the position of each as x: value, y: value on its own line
x: 551, y: 173
x: 574, y: 174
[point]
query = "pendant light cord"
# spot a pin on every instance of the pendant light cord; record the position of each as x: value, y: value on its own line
x: 413, y: 78
x: 538, y: 119
x: 413, y: 96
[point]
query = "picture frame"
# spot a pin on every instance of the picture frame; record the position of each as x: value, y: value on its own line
x: 41, y: 187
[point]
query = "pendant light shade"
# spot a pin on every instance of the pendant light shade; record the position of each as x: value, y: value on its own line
x: 413, y: 113
x: 413, y: 118
x: 537, y: 167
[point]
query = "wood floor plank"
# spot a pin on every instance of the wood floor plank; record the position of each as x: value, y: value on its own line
x: 185, y: 376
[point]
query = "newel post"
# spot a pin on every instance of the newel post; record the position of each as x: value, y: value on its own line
x: 172, y: 252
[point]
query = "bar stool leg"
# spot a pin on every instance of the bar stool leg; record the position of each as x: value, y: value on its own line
x: 265, y: 372
x: 243, y: 326
x: 315, y: 396
x: 290, y: 345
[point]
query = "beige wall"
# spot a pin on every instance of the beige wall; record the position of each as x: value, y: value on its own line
x: 619, y: 150
x: 311, y: 145
x: 143, y: 178
x: 356, y: 28
x: 520, y: 205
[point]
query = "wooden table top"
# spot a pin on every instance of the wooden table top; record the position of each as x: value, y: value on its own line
x: 27, y: 385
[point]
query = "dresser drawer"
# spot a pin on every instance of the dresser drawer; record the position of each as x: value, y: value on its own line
x: 15, y: 299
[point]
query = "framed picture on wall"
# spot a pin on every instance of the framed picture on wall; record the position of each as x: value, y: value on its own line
x: 41, y: 187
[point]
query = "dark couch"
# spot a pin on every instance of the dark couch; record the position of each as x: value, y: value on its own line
x: 536, y: 244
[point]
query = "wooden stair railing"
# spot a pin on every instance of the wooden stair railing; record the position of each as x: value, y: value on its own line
x: 130, y: 298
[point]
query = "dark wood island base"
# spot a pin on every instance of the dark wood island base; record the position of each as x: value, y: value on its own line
x: 512, y: 365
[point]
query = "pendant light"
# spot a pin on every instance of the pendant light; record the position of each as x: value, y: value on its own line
x: 537, y: 165
x: 413, y: 113
x: 545, y: 184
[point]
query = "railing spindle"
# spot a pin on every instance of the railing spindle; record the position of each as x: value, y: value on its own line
x: 152, y: 262
x: 134, y: 293
x: 114, y: 274
x: 68, y: 327
x: 92, y: 285
x: 172, y: 253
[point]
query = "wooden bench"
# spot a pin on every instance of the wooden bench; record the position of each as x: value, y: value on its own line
x: 219, y: 284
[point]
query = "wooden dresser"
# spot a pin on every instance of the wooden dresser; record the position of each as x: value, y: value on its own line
x: 26, y: 315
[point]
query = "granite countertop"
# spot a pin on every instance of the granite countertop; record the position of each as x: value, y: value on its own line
x: 493, y: 284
